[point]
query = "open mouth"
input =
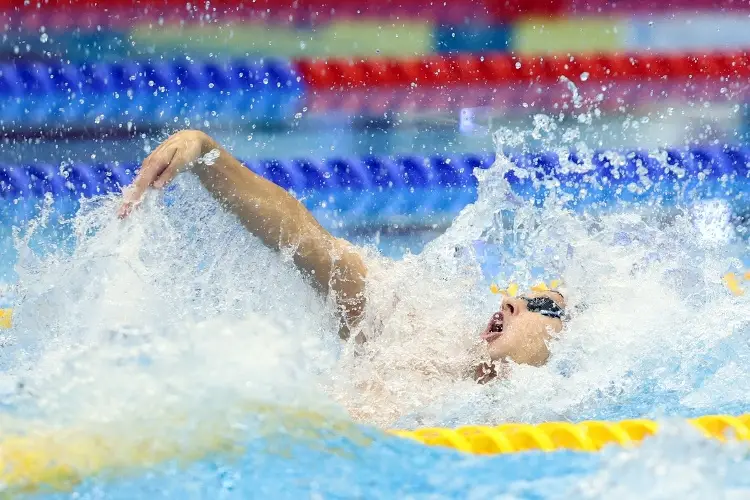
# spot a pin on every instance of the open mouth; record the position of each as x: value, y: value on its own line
x: 494, y: 328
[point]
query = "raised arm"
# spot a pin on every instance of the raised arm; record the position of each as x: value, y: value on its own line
x: 267, y: 211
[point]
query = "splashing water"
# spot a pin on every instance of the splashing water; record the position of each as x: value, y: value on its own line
x: 179, y: 309
x: 706, y: 469
x: 178, y: 303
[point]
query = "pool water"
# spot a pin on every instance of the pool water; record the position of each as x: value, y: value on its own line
x: 178, y: 328
x: 179, y: 312
x: 390, y: 468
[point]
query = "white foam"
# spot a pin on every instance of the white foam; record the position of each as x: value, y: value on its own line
x: 133, y: 301
x: 178, y: 302
x: 677, y: 463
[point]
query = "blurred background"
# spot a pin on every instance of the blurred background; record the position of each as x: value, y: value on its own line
x: 85, y: 83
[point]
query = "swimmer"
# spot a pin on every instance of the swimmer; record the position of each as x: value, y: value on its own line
x: 520, y: 331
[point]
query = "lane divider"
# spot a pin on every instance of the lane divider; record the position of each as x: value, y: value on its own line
x: 734, y: 282
x: 503, y: 69
x: 138, y: 94
x: 35, y: 459
x: 584, y: 436
x: 6, y: 318
x: 31, y: 79
x: 243, y: 90
x: 631, y: 175
x: 60, y: 460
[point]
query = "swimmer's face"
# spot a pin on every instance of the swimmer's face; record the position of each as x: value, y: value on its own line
x: 519, y: 334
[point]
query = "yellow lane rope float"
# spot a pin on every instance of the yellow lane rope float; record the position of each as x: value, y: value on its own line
x: 584, y: 436
x: 59, y: 460
x: 6, y: 316
x: 732, y: 281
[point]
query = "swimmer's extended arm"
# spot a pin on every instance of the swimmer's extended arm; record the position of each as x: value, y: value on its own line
x: 267, y: 211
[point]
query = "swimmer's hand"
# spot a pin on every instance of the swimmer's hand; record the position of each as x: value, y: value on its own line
x: 178, y: 153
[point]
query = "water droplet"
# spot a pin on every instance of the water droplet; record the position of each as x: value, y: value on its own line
x: 211, y: 85
x: 265, y: 81
x: 210, y: 157
x: 44, y: 38
x: 297, y: 116
x: 518, y: 64
x: 584, y: 76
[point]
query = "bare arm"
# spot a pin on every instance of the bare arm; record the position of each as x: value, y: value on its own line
x: 267, y: 211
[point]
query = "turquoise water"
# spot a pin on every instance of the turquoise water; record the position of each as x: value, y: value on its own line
x: 395, y: 469
x: 288, y: 463
x: 179, y: 307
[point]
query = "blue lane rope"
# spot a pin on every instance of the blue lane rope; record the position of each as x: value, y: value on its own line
x: 429, y: 184
x: 54, y: 94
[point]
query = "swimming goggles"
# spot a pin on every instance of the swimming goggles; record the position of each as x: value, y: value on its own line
x: 544, y: 306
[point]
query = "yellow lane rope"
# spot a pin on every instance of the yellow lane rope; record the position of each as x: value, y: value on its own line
x: 42, y: 460
x: 59, y: 460
x: 584, y: 436
x: 6, y: 315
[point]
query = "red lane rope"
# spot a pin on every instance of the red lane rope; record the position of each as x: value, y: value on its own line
x: 497, y: 69
x: 330, y: 10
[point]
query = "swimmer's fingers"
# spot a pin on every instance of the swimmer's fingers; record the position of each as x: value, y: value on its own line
x: 156, y: 163
x: 162, y: 165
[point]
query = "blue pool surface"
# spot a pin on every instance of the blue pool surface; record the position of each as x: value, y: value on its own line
x: 392, y: 468
x: 705, y: 375
x: 287, y: 466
